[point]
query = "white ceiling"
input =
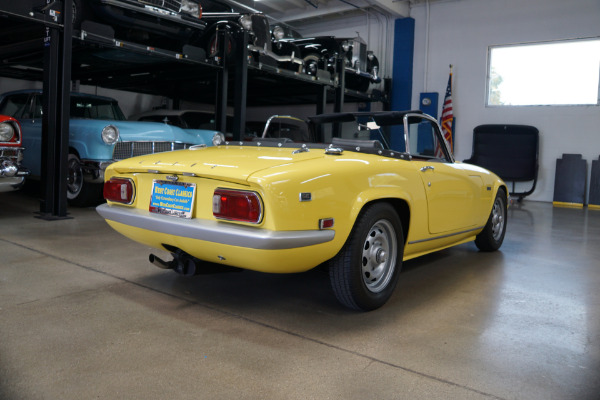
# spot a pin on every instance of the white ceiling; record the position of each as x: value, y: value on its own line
x: 301, y: 11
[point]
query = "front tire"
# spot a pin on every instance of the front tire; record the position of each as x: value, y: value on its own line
x: 492, y: 235
x: 311, y: 64
x: 365, y: 272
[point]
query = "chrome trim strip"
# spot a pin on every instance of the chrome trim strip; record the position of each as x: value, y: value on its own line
x: 445, y: 236
x: 213, y: 231
x: 438, y: 132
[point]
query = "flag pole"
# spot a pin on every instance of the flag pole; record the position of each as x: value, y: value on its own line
x: 447, y: 120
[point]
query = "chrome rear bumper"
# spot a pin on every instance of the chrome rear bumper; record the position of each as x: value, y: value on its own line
x: 214, y: 231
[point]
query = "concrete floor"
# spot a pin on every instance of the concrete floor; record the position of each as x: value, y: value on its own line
x: 84, y: 315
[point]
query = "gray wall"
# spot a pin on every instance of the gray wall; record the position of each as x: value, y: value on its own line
x: 460, y: 33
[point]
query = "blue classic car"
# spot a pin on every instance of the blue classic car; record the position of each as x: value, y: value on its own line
x: 98, y: 135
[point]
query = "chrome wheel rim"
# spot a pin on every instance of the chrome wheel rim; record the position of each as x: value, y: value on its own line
x: 74, y: 178
x: 498, y: 218
x: 379, y: 255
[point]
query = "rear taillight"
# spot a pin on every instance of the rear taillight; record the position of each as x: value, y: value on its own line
x: 120, y: 190
x: 237, y: 205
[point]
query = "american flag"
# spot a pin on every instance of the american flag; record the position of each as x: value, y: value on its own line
x: 447, y: 114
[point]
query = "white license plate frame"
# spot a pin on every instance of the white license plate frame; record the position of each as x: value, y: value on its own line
x: 175, y: 199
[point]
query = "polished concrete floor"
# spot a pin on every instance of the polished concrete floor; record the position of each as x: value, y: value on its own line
x: 83, y: 315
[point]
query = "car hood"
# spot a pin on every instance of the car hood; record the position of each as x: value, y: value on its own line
x: 228, y: 163
x: 135, y: 131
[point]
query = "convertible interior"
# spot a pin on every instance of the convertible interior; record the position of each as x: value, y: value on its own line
x: 381, y: 132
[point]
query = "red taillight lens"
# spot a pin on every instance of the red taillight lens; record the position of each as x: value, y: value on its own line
x: 237, y: 205
x: 120, y: 190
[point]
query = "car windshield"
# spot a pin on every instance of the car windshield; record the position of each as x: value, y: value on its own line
x: 383, y: 131
x: 15, y: 105
x: 289, y: 127
x: 95, y: 108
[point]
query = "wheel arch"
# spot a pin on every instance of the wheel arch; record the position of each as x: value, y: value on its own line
x: 501, y: 185
x: 74, y: 151
x: 400, y: 205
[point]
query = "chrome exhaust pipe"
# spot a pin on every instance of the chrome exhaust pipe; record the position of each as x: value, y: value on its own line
x: 162, y: 264
x: 186, y: 265
x: 181, y: 263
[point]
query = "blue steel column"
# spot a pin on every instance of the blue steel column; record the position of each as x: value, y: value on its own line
x: 402, y: 72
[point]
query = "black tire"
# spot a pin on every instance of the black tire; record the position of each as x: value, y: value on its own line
x: 79, y: 192
x: 311, y: 64
x: 492, y: 235
x: 365, y: 272
x: 77, y: 14
x: 80, y: 13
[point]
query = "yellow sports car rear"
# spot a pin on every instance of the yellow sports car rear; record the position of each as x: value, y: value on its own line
x: 273, y: 205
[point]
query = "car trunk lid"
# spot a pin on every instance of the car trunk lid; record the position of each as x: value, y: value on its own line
x: 235, y: 164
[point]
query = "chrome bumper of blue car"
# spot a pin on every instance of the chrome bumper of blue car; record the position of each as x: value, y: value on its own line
x: 11, y: 184
x: 93, y: 171
x: 12, y: 174
x: 215, y: 231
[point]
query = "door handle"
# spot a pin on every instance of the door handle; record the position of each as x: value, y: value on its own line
x: 427, y: 167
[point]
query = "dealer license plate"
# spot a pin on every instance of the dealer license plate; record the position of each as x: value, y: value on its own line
x: 173, y: 198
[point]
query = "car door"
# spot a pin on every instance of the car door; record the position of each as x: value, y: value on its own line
x: 453, y: 193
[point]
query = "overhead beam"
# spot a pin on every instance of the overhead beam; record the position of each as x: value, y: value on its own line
x: 397, y: 9
x: 279, y: 7
x: 314, y: 13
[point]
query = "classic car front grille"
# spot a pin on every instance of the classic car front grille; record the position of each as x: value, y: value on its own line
x: 9, y: 152
x: 172, y: 5
x: 261, y: 29
x: 124, y: 150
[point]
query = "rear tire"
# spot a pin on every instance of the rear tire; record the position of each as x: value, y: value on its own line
x: 492, y: 235
x: 365, y: 272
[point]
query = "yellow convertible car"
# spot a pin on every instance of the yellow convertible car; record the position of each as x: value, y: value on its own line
x: 368, y: 190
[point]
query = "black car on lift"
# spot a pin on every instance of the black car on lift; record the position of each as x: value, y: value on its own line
x: 322, y: 52
x: 237, y: 18
x: 152, y: 22
x: 175, y: 23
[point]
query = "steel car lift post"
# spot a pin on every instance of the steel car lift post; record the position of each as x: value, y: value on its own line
x: 339, y: 92
x: 321, y: 106
x: 241, y: 84
x: 223, y: 38
x: 55, y: 120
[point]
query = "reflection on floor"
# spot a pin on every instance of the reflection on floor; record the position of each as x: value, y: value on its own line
x: 85, y: 315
